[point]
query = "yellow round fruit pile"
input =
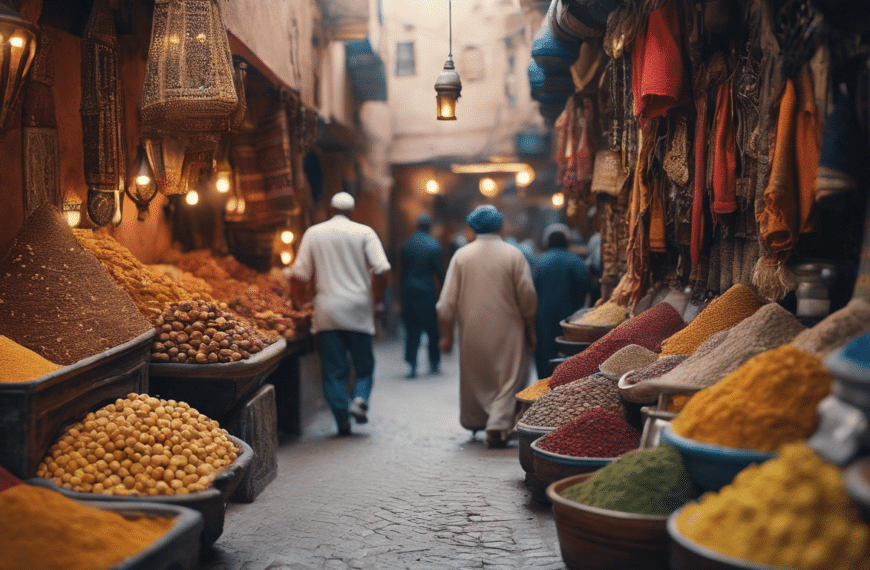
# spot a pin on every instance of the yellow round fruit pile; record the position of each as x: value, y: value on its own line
x: 139, y: 445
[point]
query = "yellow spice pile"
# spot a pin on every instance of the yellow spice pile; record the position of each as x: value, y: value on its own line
x: 721, y: 314
x: 790, y: 512
x: 769, y: 401
x: 607, y: 315
x: 150, y: 291
x: 20, y: 364
x: 535, y: 391
x: 139, y: 445
x: 42, y: 530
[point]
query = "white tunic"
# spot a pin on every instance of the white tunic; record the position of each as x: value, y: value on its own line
x: 342, y: 256
x: 489, y: 291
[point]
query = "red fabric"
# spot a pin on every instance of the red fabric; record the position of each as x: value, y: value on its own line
x: 697, y: 239
x: 724, y: 154
x: 657, y: 64
x: 7, y: 480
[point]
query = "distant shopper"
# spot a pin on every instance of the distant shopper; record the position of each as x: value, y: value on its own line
x: 421, y: 268
x: 349, y: 268
x: 561, y: 282
x: 488, y: 290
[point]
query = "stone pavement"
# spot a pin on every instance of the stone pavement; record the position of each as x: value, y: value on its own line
x: 409, y: 490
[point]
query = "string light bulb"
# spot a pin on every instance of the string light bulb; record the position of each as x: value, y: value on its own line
x: 488, y: 187
x: 558, y: 199
x: 192, y: 198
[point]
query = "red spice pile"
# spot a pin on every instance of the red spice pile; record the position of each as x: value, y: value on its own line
x: 648, y: 329
x: 594, y: 433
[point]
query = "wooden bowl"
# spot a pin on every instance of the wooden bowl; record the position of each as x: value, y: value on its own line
x: 550, y: 467
x: 525, y: 436
x: 599, y: 539
x: 687, y: 554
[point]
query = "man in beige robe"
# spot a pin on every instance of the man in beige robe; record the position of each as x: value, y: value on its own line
x: 489, y: 291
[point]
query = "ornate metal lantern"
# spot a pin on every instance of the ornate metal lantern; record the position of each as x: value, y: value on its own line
x: 17, y: 50
x: 189, y: 75
x: 143, y: 186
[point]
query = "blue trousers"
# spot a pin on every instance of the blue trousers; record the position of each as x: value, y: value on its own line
x: 337, y: 350
x: 418, y: 315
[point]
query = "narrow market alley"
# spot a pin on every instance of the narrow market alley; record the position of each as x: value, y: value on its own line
x: 410, y: 489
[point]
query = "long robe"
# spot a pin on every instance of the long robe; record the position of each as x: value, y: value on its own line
x: 489, y: 291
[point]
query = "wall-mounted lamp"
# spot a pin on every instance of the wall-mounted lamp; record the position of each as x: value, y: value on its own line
x: 432, y: 186
x: 143, y: 187
x: 558, y: 199
x: 448, y: 86
x: 17, y: 50
x: 192, y: 198
x: 488, y: 187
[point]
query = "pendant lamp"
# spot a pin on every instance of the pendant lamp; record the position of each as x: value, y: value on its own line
x: 189, y: 83
x: 448, y: 86
x: 17, y: 50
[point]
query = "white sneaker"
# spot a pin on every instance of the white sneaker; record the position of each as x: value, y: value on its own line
x: 358, y: 410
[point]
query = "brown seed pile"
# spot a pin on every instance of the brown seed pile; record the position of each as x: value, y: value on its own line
x: 770, y: 327
x: 836, y: 329
x: 721, y: 314
x: 640, y: 394
x: 149, y: 290
x: 201, y: 332
x: 139, y: 445
x: 57, y: 300
x: 608, y: 314
x: 20, y: 364
x: 564, y: 403
x: 628, y: 358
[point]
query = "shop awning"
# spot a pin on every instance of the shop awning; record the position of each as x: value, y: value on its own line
x: 346, y: 19
x: 366, y: 70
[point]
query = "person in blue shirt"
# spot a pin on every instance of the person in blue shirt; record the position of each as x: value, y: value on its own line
x: 562, y: 282
x: 421, y: 267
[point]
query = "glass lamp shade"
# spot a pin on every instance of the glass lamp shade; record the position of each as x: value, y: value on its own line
x: 17, y: 50
x: 223, y: 176
x: 143, y: 187
x: 72, y: 213
x: 447, y: 90
x: 189, y: 83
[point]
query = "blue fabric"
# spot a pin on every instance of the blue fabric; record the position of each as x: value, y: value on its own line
x: 561, y: 281
x: 484, y: 219
x: 421, y: 266
x: 334, y: 348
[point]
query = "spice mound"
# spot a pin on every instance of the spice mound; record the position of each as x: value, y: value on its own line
x: 790, y: 512
x: 638, y: 390
x: 628, y: 358
x: 139, y: 445
x: 648, y: 330
x: 20, y: 364
x: 836, y: 329
x: 57, y: 300
x: 770, y: 327
x: 769, y: 401
x: 721, y: 314
x: 535, y: 391
x: 150, y: 290
x: 43, y: 530
x: 564, y: 403
x: 607, y: 315
x: 646, y: 481
x: 202, y: 332
x: 594, y: 433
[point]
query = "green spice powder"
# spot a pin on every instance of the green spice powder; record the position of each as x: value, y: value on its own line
x: 648, y: 481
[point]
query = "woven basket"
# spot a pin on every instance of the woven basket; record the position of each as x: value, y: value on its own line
x: 583, y: 333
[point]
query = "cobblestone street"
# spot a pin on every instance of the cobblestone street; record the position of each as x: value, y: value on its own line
x: 410, y: 489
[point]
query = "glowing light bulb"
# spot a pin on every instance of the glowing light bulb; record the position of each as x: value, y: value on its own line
x: 558, y: 199
x: 222, y: 184
x: 525, y: 177
x: 192, y: 198
x: 143, y: 180
x: 432, y: 186
x: 286, y: 257
x: 200, y: 37
x: 287, y: 236
x: 16, y: 41
x: 240, y: 206
x: 488, y: 187
x: 232, y: 204
x: 174, y: 40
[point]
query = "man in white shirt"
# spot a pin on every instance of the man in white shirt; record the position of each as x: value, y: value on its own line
x: 350, y: 271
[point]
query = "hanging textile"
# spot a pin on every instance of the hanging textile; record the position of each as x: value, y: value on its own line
x: 657, y: 64
x: 724, y: 153
x: 808, y: 135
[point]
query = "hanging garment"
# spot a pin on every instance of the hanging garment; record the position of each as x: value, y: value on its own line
x: 698, y: 206
x: 724, y: 153
x: 657, y: 64
x: 808, y: 140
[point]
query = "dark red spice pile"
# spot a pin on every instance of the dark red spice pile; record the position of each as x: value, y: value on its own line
x: 648, y: 329
x: 594, y: 433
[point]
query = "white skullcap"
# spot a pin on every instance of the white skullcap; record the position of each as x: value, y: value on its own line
x: 343, y: 201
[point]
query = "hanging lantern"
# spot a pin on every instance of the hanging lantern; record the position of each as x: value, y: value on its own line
x: 17, y: 50
x: 448, y: 86
x: 189, y: 84
x: 143, y: 186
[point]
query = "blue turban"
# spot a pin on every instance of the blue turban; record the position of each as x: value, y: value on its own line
x: 484, y: 219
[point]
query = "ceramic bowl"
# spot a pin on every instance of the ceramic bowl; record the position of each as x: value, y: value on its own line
x: 550, y: 467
